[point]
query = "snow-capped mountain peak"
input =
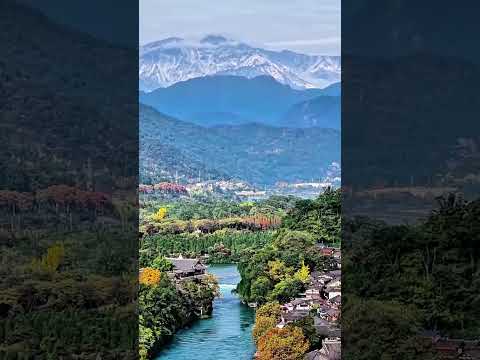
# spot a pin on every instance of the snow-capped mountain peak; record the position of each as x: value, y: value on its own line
x: 168, y: 61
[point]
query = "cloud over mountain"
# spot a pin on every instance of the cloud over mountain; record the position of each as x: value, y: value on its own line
x: 168, y: 61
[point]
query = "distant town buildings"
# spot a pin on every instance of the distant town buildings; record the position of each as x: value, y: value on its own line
x: 241, y: 189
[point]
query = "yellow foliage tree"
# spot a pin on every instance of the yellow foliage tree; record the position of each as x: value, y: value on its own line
x: 270, y: 309
x: 149, y: 276
x: 277, y: 270
x: 263, y: 324
x: 266, y: 318
x: 51, y: 261
x: 160, y: 214
x: 303, y: 274
x: 288, y: 343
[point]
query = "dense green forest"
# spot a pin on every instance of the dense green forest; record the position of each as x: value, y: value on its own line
x: 220, y: 229
x: 413, y: 277
x: 224, y: 230
x: 211, y: 208
x: 68, y: 230
x: 69, y: 285
x: 258, y: 154
x: 222, y: 246
x: 268, y: 273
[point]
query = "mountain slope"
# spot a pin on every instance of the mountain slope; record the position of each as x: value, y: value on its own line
x: 166, y: 62
x: 323, y: 111
x: 421, y: 126
x: 256, y: 153
x: 161, y: 162
x: 215, y: 100
x: 334, y: 89
x: 55, y: 117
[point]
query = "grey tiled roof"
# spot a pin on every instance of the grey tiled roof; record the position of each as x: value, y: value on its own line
x: 186, y: 264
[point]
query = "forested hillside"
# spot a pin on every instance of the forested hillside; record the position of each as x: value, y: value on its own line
x: 307, y: 224
x: 393, y: 160
x: 261, y: 99
x: 416, y: 278
x: 68, y: 131
x: 46, y: 111
x: 322, y: 111
x: 256, y: 153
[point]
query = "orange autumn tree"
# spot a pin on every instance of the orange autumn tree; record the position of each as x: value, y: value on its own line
x: 288, y: 343
x: 266, y: 318
x: 149, y: 276
x: 263, y: 324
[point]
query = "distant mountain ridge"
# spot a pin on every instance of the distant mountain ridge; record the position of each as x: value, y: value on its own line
x: 234, y: 100
x: 255, y: 153
x: 169, y: 61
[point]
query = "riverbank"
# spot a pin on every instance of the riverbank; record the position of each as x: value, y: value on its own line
x: 167, y: 305
x: 226, y: 332
x: 295, y: 282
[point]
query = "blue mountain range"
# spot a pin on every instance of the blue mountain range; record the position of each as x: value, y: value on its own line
x: 233, y: 100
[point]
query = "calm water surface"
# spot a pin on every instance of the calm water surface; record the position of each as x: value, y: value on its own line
x: 226, y: 335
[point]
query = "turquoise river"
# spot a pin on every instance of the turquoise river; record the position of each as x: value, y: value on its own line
x: 226, y: 335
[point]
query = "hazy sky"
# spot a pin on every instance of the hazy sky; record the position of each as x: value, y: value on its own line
x: 310, y: 26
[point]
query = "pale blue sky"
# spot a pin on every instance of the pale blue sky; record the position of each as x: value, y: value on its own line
x: 310, y: 26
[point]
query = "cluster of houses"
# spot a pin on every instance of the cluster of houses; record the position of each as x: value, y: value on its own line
x: 323, y: 300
